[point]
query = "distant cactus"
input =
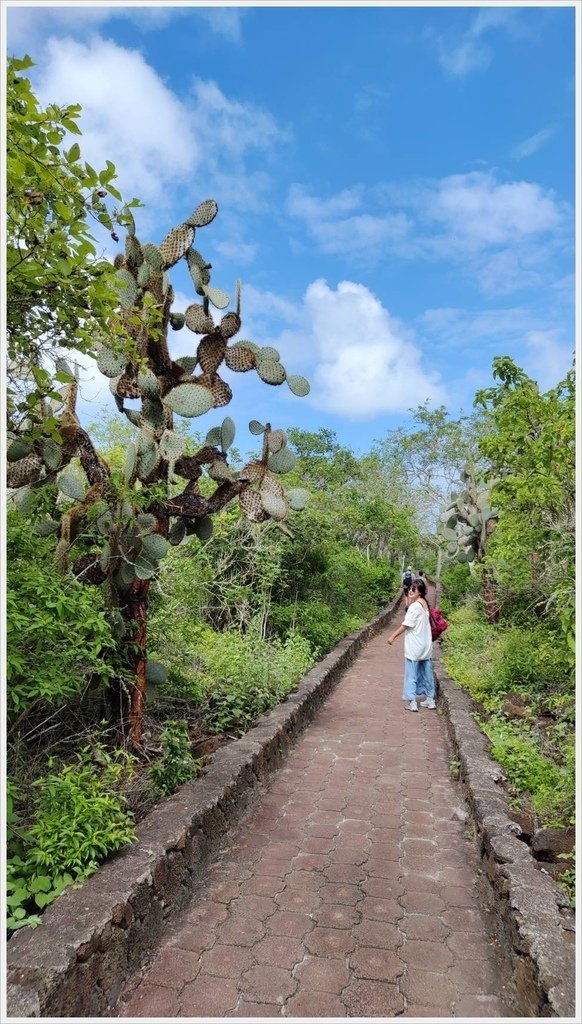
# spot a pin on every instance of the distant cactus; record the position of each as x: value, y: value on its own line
x: 135, y: 537
x: 468, y: 521
x: 466, y: 525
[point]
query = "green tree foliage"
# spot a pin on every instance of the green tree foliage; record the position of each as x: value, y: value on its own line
x: 428, y: 458
x: 528, y: 440
x: 59, y: 289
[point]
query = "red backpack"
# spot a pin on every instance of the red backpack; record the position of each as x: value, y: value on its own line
x: 438, y: 623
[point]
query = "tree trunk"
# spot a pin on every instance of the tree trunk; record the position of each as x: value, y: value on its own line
x: 490, y: 597
x: 137, y: 613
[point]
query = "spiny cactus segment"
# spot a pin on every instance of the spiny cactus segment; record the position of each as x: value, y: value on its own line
x: 468, y: 521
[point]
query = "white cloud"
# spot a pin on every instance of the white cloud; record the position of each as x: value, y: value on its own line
x: 28, y: 27
x: 129, y: 116
x: 158, y: 141
x: 547, y: 359
x: 230, y: 127
x: 469, y: 52
x: 362, y: 362
x: 502, y: 234
x: 481, y: 212
x: 337, y: 228
x: 539, y: 342
x: 532, y: 144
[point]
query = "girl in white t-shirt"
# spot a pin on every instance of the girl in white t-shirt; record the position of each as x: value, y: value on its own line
x: 418, y: 675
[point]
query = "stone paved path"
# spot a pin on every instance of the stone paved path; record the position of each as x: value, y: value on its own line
x: 350, y: 890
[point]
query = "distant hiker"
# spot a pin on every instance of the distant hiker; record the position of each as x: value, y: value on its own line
x: 420, y: 575
x: 407, y: 581
x: 418, y: 675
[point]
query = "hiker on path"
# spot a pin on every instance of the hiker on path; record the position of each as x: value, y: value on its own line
x: 418, y: 675
x: 407, y: 581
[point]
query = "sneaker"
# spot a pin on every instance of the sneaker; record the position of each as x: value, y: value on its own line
x: 411, y: 706
x: 428, y: 704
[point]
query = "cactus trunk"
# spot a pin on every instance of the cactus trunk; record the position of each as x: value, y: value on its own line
x: 490, y: 598
x: 137, y: 613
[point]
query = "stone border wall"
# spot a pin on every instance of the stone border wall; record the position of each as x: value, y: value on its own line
x: 93, y: 938
x: 534, y: 920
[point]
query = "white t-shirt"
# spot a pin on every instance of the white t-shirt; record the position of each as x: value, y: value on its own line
x: 418, y: 637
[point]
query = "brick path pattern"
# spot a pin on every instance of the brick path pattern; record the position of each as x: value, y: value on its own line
x: 350, y: 889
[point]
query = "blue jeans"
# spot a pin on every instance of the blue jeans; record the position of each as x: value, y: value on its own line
x: 418, y: 678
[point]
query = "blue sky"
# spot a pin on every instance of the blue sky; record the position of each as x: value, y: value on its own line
x: 396, y: 186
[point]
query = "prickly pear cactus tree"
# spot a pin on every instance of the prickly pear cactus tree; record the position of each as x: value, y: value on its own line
x: 466, y: 525
x: 158, y: 502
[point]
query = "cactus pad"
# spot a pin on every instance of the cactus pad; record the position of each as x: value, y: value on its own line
x: 274, y: 505
x: 177, y: 532
x: 154, y: 546
x: 256, y: 428
x: 51, y: 454
x: 147, y: 463
x: 197, y: 320
x: 133, y: 253
x: 204, y: 214
x: 239, y: 358
x: 125, y: 386
x: 17, y: 450
x: 153, y: 256
x: 190, y: 399
x: 298, y: 385
x: 221, y: 392
x: 252, y: 506
x: 25, y: 471
x: 219, y: 471
x: 127, y: 288
x: 177, y: 321
x: 269, y: 353
x: 203, y: 528
x: 213, y: 436
x: 143, y: 274
x: 227, y: 433
x: 146, y: 522
x: 172, y: 445
x: 111, y: 364
x: 148, y: 383
x: 253, y: 471
x: 297, y: 498
x: 277, y: 439
x: 70, y: 485
x: 175, y: 244
x: 230, y: 325
x: 216, y: 296
x: 210, y: 352
x: 282, y: 461
x: 271, y: 372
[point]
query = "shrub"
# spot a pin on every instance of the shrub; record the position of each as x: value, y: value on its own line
x: 58, y: 637
x: 78, y: 819
x: 177, y: 764
x: 245, y: 679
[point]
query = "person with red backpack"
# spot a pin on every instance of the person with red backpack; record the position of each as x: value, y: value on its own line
x: 417, y: 629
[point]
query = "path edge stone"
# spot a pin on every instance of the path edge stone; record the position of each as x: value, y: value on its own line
x: 533, y: 919
x: 92, y: 939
